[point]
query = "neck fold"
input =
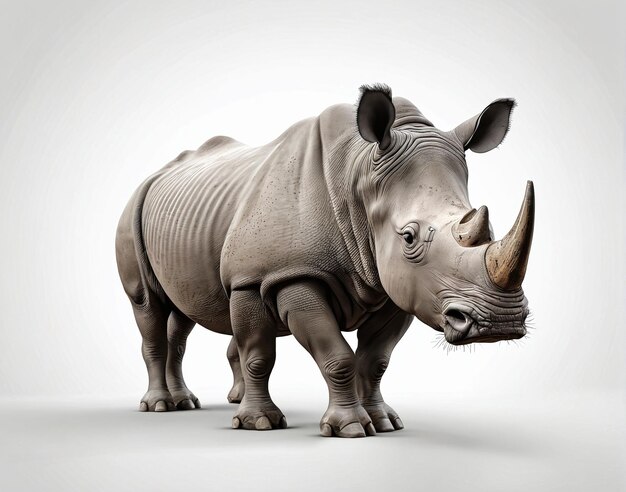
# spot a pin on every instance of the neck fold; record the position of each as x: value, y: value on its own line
x: 346, y: 172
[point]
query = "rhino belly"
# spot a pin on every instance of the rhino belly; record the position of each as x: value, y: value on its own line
x: 185, y: 219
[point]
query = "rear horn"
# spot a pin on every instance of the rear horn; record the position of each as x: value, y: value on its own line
x: 473, y: 228
x: 506, y: 259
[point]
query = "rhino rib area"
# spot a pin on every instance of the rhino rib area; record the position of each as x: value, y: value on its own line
x: 184, y: 222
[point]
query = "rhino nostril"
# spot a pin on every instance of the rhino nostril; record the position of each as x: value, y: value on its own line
x: 458, y: 320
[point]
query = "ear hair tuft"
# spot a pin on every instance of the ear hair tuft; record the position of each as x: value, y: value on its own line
x: 513, y: 103
x: 376, y: 87
x: 375, y: 114
x: 487, y: 130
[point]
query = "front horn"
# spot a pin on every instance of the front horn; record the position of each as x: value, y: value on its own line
x: 506, y: 259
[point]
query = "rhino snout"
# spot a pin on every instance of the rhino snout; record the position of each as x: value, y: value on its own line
x: 463, y: 325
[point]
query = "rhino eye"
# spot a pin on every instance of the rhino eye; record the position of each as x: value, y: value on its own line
x: 414, y: 246
x: 409, y: 234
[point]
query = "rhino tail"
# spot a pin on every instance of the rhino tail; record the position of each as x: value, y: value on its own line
x: 138, y: 278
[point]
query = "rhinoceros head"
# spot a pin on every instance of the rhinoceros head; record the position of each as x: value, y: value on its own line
x: 436, y: 255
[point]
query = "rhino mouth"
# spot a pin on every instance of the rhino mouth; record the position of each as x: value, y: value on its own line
x: 463, y: 325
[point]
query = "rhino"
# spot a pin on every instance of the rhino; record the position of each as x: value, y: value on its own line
x: 357, y: 219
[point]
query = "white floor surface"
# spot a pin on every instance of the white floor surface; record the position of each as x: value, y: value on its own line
x: 567, y: 442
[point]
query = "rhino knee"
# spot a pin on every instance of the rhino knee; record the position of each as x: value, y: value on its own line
x: 378, y: 368
x: 340, y: 370
x: 258, y: 367
x: 177, y: 340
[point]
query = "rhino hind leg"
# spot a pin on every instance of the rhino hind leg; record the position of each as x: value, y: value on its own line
x: 150, y: 310
x: 178, y: 328
x: 151, y: 319
x: 236, y: 393
x: 255, y: 335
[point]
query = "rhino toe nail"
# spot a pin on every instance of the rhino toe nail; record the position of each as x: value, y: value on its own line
x: 384, y: 425
x: 236, y: 423
x: 196, y: 402
x: 185, y: 405
x: 370, y: 429
x: 326, y: 430
x: 283, y: 422
x: 397, y: 423
x: 143, y: 406
x: 352, y: 430
x: 263, y: 424
x: 161, y: 406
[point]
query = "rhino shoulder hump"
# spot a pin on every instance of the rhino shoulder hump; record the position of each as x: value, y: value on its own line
x: 217, y: 141
x: 337, y: 120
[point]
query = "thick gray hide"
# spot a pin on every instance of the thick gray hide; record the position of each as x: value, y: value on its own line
x: 356, y: 219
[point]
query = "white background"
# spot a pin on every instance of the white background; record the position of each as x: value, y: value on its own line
x: 95, y: 96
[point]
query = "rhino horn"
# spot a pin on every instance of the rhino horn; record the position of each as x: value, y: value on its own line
x: 473, y: 228
x: 506, y: 259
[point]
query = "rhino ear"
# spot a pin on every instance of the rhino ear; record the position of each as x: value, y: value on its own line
x: 375, y: 114
x: 487, y: 130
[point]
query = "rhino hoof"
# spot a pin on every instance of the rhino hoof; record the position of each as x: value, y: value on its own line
x: 384, y: 418
x: 185, y: 399
x: 351, y: 430
x: 262, y: 423
x: 264, y: 418
x: 158, y: 400
x: 360, y: 423
x: 236, y: 393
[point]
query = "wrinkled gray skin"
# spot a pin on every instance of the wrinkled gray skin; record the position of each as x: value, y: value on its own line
x: 358, y: 219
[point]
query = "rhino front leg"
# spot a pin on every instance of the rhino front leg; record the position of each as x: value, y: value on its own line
x: 305, y: 310
x: 377, y: 339
x: 236, y: 392
x: 255, y: 335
